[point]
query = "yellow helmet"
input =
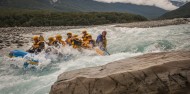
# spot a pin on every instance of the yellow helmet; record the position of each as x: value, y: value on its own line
x: 69, y: 33
x: 41, y: 38
x: 58, y: 36
x: 51, y: 39
x: 35, y: 37
x: 84, y: 31
x: 77, y: 39
x: 89, y: 35
x: 75, y: 36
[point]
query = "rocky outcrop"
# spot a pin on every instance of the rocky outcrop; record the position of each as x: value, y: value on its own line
x: 155, y: 73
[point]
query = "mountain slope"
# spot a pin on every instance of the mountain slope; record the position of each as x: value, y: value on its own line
x: 83, y: 6
x: 182, y: 12
x: 178, y: 3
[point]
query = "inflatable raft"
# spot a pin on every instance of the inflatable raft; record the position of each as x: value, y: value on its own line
x: 29, y: 58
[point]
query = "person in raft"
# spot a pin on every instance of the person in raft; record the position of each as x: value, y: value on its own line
x: 38, y: 45
x: 101, y: 41
x: 59, y: 42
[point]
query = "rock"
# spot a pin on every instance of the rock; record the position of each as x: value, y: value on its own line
x: 7, y: 41
x: 26, y: 41
x: 155, y: 73
x: 17, y: 34
x: 20, y: 44
x: 16, y: 41
x: 20, y: 41
x: 8, y: 44
x: 13, y: 41
x: 1, y: 41
x: 188, y: 19
x: 1, y: 45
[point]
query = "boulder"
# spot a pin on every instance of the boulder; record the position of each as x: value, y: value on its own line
x: 20, y: 44
x: 8, y: 44
x: 13, y: 41
x: 154, y: 73
x: 20, y: 41
x: 2, y: 45
x: 7, y: 41
x: 1, y: 41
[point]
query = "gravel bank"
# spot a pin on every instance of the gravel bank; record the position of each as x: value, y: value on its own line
x: 157, y: 23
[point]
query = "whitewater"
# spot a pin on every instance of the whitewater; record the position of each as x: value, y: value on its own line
x: 122, y: 43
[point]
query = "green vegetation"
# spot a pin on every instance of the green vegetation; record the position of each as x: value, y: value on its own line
x: 83, y: 6
x: 182, y: 12
x: 13, y: 17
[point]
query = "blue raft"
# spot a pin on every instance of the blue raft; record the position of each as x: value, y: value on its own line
x: 25, y: 55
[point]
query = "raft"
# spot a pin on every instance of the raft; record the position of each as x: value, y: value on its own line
x: 25, y: 55
x: 101, y: 52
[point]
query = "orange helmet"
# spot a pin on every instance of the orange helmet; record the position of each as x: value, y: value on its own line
x: 35, y: 38
x: 58, y: 36
x: 51, y: 39
x: 69, y: 33
x: 89, y: 35
x: 75, y: 36
x: 41, y: 38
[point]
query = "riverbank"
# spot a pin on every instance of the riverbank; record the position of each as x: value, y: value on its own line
x: 155, y: 73
x: 156, y: 23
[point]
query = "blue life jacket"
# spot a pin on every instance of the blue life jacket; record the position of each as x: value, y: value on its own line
x: 99, y: 39
x: 18, y: 53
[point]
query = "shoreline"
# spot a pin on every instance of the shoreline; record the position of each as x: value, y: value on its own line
x: 155, y: 23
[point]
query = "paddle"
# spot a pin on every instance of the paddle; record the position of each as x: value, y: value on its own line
x: 107, y: 52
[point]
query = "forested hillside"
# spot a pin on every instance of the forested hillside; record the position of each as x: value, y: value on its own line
x: 182, y: 12
x: 12, y: 17
x: 83, y: 6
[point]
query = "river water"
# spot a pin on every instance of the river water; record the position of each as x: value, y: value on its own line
x: 122, y: 43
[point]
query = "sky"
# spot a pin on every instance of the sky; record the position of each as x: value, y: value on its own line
x: 164, y: 4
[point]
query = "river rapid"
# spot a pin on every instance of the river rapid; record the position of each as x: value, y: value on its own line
x: 122, y: 43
